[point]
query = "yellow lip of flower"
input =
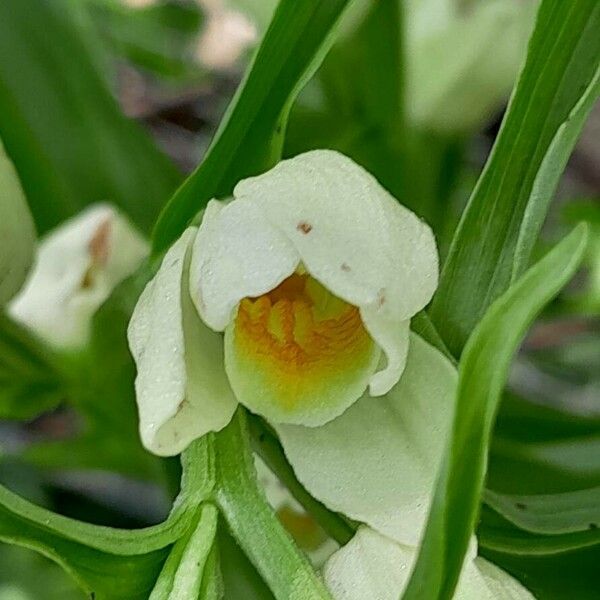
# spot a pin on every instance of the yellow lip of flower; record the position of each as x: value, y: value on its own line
x: 306, y: 349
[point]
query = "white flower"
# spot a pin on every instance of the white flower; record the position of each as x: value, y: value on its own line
x: 312, y: 272
x: 76, y: 268
x: 462, y: 59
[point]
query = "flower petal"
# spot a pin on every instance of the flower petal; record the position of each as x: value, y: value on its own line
x: 76, y: 268
x: 373, y: 567
x: 352, y: 236
x: 237, y: 253
x: 393, y: 338
x: 377, y: 462
x: 181, y: 386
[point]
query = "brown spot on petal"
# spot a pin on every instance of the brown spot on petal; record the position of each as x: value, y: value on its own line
x: 304, y: 227
x: 98, y: 245
x: 345, y: 267
x: 381, y: 298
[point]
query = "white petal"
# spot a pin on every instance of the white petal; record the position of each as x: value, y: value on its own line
x: 377, y: 462
x: 373, y: 567
x: 353, y: 237
x: 393, y: 338
x: 237, y: 254
x: 501, y: 585
x: 76, y: 268
x: 181, y: 387
x: 369, y: 567
x: 461, y: 66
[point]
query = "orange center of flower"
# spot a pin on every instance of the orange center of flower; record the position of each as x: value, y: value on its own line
x: 300, y: 331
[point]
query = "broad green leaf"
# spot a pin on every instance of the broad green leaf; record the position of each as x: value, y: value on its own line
x: 129, y: 578
x: 30, y: 378
x: 196, y: 485
x: 500, y: 535
x: 183, y: 573
x: 362, y: 81
x: 112, y: 563
x: 250, y: 137
x: 482, y: 375
x: 545, y: 466
x: 34, y: 576
x: 567, y: 512
x: 65, y: 133
x: 422, y: 325
x: 254, y: 524
x: 159, y: 38
x: 493, y: 243
x: 17, y: 231
x: 543, y: 449
x: 561, y: 577
x: 587, y: 299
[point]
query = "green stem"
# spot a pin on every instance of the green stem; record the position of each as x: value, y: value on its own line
x: 251, y: 520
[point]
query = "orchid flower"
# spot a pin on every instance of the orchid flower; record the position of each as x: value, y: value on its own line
x: 76, y: 268
x: 293, y: 299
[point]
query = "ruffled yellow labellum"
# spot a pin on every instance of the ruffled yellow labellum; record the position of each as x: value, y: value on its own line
x: 298, y: 353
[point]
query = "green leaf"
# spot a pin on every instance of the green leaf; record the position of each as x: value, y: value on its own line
x: 561, y: 577
x: 112, y: 563
x: 254, y: 524
x: 34, y: 577
x: 183, y: 573
x: 356, y: 104
x: 196, y: 485
x: 500, y: 535
x: 422, y: 325
x: 555, y: 465
x: 69, y: 141
x: 17, y: 231
x: 567, y: 512
x: 543, y: 449
x: 212, y: 579
x: 159, y: 38
x: 482, y: 375
x: 250, y: 137
x: 30, y: 378
x: 493, y: 243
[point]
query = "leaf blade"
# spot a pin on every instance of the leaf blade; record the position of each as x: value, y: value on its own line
x: 250, y: 137
x: 482, y: 375
x: 494, y: 240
